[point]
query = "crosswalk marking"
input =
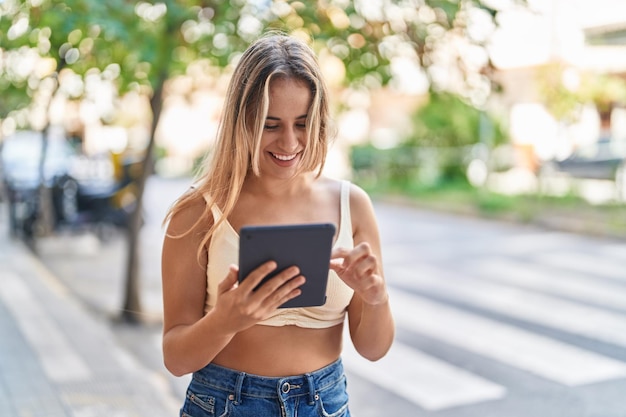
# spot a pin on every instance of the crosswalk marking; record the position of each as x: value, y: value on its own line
x: 530, y: 243
x: 530, y: 276
x: 540, y: 355
x: 584, y: 263
x: 422, y: 379
x: 616, y: 251
x: 59, y: 360
x: 537, y: 308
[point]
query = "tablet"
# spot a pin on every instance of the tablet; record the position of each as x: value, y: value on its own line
x: 307, y: 246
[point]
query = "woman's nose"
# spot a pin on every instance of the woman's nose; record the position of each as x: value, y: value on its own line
x: 290, y: 138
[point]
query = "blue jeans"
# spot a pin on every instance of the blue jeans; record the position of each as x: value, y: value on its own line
x: 218, y: 391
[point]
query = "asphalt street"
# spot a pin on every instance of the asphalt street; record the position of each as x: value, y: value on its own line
x: 493, y: 319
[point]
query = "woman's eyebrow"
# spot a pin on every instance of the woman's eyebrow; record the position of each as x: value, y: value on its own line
x: 304, y: 116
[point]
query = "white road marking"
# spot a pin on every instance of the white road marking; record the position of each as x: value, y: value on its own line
x: 573, y: 285
x: 584, y: 263
x: 548, y: 311
x: 522, y: 349
x: 422, y: 379
x: 615, y: 250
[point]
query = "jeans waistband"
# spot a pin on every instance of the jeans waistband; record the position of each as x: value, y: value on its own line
x: 241, y: 384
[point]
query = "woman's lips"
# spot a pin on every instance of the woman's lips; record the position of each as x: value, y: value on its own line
x: 283, y: 157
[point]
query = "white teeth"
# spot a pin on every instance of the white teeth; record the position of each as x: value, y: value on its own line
x: 284, y: 157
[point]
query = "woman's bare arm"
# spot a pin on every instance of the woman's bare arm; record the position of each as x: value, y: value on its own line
x: 371, y: 324
x: 192, y: 339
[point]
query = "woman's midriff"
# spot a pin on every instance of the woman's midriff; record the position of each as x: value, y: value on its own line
x: 281, y: 351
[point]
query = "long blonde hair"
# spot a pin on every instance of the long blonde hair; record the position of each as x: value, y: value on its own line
x: 237, y: 149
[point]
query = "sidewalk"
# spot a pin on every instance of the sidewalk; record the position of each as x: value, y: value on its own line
x: 57, y: 358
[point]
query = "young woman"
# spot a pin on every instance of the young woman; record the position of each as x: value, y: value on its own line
x: 247, y: 356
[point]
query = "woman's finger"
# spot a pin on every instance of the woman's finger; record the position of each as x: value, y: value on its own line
x: 338, y: 253
x: 366, y: 266
x: 289, y: 290
x: 257, y: 275
x: 276, y: 282
x: 351, y: 256
x: 230, y: 281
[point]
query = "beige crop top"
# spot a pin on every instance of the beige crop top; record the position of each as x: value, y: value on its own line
x: 224, y: 251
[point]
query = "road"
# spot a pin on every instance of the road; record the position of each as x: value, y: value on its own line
x: 493, y: 319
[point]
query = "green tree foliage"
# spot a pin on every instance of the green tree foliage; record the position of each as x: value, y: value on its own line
x: 605, y: 91
x: 449, y: 121
x: 445, y: 133
x: 140, y: 44
x: 59, y: 32
x: 451, y: 128
x: 565, y: 90
x: 561, y: 100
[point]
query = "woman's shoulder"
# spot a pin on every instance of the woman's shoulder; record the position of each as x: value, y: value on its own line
x: 187, y: 210
x: 359, y: 199
x: 335, y: 185
x: 358, y: 196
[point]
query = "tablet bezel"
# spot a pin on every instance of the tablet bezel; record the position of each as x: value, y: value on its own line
x: 307, y: 245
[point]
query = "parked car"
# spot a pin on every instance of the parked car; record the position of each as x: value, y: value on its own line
x: 81, y: 190
x: 604, y: 159
x: 21, y: 161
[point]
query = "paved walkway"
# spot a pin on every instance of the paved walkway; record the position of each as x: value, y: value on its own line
x: 57, y: 359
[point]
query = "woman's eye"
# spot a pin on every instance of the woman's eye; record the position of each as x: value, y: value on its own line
x: 271, y: 127
x: 301, y: 126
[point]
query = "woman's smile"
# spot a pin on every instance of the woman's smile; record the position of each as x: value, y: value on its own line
x: 283, y: 157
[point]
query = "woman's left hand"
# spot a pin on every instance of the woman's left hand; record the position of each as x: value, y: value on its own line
x: 359, y: 268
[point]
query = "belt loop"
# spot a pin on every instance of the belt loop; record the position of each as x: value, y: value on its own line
x: 238, y: 385
x: 311, y: 383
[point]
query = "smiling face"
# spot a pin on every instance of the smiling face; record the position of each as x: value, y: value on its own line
x: 284, y: 136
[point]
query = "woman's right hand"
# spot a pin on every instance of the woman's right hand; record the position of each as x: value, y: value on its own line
x: 240, y: 306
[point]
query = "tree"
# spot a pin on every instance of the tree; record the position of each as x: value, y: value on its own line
x: 137, y: 45
x: 446, y: 121
x: 606, y: 92
x: 565, y: 91
x: 140, y: 45
x: 561, y: 98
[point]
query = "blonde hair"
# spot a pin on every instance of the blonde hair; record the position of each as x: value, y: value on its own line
x: 237, y: 149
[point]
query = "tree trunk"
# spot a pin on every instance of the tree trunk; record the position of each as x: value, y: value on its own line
x: 132, y: 310
x: 44, y: 224
x: 605, y: 111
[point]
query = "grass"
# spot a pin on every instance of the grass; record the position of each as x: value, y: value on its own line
x: 568, y: 213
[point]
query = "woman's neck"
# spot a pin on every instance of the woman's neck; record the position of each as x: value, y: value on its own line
x: 278, y: 188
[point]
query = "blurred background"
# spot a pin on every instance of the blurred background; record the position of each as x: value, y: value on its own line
x: 510, y: 110
x: 506, y: 97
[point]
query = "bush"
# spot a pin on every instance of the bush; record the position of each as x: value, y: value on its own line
x: 407, y: 166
